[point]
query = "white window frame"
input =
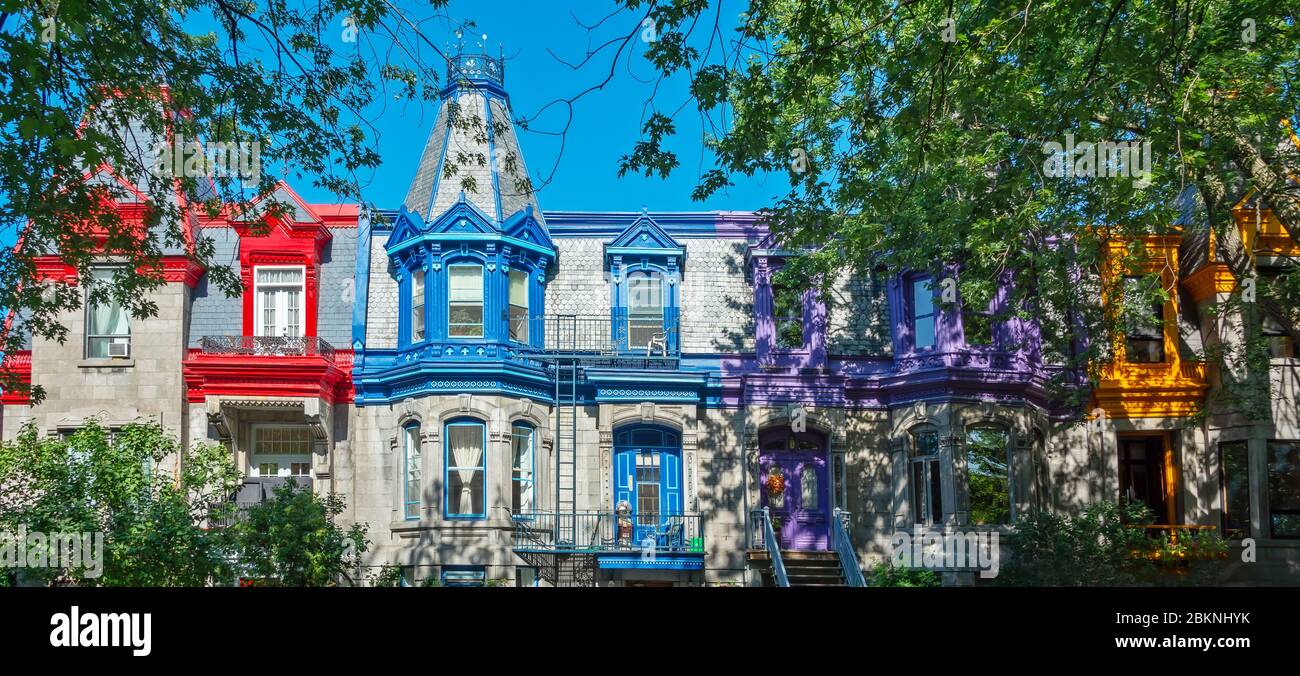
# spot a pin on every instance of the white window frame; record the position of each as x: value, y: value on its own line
x: 284, y: 460
x: 282, y: 303
x: 522, y: 335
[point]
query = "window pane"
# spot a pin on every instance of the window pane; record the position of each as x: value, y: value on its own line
x: 809, y: 491
x: 989, y: 476
x: 645, y: 293
x: 521, y: 443
x: 519, y: 288
x: 1284, y: 488
x: 417, y: 306
x: 936, y: 492
x: 1236, y: 489
x: 922, y: 298
x: 465, y: 475
x: 924, y: 328
x: 467, y: 283
x: 411, y: 448
x: 291, y: 276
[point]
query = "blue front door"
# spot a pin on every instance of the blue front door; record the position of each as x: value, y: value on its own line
x: 648, y: 478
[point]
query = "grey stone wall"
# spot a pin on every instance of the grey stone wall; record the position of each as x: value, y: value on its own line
x: 858, y: 318
x: 579, y: 283
x: 717, y: 301
x: 147, y: 386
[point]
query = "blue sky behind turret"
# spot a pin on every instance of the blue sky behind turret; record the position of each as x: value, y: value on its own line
x: 606, y: 123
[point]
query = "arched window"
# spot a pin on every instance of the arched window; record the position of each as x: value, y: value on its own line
x: 465, y: 451
x: 988, y: 470
x: 522, y: 467
x: 927, y: 484
x: 411, y: 471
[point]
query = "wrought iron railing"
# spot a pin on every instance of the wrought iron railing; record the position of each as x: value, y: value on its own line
x: 613, y: 335
x: 297, y: 346
x: 849, y: 565
x: 763, y: 536
x: 475, y: 67
x: 608, y: 532
x: 253, y: 491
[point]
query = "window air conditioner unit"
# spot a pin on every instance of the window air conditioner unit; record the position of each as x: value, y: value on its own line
x: 119, y: 349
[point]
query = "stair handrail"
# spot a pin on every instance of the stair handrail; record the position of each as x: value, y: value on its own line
x: 849, y: 565
x: 774, y: 551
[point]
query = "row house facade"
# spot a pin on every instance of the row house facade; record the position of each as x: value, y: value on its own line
x: 633, y: 398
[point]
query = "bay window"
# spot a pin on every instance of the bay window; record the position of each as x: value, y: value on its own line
x: 1284, y: 488
x: 927, y: 485
x: 108, y: 327
x: 411, y: 471
x: 1144, y: 333
x: 465, y: 301
x: 417, y: 306
x: 466, y: 481
x: 1235, y: 469
x: 989, y: 475
x: 924, y: 313
x: 518, y: 317
x: 521, y: 477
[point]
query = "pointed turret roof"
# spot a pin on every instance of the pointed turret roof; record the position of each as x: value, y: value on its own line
x: 473, y: 148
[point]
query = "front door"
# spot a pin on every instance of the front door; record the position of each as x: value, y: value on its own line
x: 648, y: 477
x: 794, y: 489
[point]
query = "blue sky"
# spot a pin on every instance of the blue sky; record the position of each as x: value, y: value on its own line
x: 606, y: 123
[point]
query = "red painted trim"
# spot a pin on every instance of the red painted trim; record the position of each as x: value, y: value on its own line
x: 174, y: 269
x: 268, y: 376
x: 21, y: 363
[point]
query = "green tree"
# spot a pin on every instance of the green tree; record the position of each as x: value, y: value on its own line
x: 292, y: 540
x: 1106, y: 546
x: 108, y: 482
x: 244, y: 93
x: 916, y: 135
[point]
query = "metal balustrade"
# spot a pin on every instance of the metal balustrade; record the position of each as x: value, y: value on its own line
x: 594, y: 532
x: 762, y: 536
x: 291, y: 346
x: 849, y: 565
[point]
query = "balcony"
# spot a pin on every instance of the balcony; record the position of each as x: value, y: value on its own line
x: 253, y: 491
x: 268, y: 366
x: 613, y: 337
x: 663, y: 541
x: 301, y: 346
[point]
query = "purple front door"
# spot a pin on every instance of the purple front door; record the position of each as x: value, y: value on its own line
x: 796, y: 464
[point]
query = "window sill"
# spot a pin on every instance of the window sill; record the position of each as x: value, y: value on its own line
x: 111, y: 362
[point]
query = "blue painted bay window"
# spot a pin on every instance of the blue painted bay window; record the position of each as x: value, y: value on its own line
x: 465, y: 475
x: 644, y: 263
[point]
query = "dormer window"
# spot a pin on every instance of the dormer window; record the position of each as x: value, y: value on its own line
x: 788, y: 311
x: 279, y: 294
x: 518, y: 317
x: 417, y: 306
x: 1144, y: 341
x: 924, y: 313
x: 465, y: 301
x: 645, y: 308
